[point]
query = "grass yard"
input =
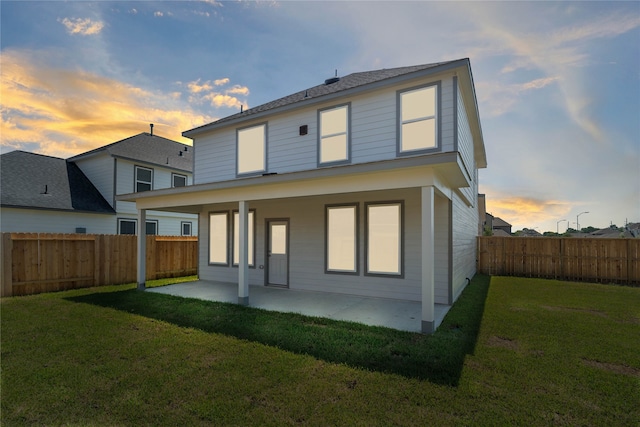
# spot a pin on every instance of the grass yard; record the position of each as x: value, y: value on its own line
x: 511, y: 351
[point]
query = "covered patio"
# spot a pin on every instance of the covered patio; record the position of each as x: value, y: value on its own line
x: 390, y: 313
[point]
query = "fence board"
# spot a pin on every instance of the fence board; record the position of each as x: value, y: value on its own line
x: 581, y: 259
x: 39, y: 262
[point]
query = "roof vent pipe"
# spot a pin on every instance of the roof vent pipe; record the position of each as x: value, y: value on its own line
x: 151, y: 125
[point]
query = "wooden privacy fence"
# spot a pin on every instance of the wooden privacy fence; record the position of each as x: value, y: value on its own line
x: 35, y: 262
x: 582, y: 259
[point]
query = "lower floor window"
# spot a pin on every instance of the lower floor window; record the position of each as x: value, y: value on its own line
x: 384, y: 238
x: 218, y: 232
x: 342, y: 239
x: 151, y: 228
x: 236, y: 238
x: 186, y: 228
x: 126, y: 226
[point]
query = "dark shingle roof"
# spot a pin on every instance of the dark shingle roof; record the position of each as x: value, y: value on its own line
x: 345, y: 83
x: 35, y: 181
x: 147, y: 148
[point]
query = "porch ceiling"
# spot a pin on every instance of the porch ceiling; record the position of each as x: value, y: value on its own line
x: 443, y: 171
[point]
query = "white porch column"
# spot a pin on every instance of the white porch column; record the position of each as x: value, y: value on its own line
x: 243, y: 253
x: 427, y: 261
x: 142, y: 248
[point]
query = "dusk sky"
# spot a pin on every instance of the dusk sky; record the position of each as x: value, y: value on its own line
x: 558, y: 84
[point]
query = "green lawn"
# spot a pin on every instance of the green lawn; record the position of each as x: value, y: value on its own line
x: 511, y: 351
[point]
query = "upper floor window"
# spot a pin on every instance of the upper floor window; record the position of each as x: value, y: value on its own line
x: 334, y: 135
x: 251, y: 149
x: 144, y: 179
x: 418, y: 113
x: 178, y: 180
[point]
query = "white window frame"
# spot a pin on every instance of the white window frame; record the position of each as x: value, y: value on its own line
x: 377, y: 247
x: 182, y: 225
x: 405, y: 123
x: 325, y: 134
x: 140, y: 181
x: 221, y: 250
x: 135, y: 226
x: 178, y: 175
x: 252, y: 238
x: 337, y: 241
x: 246, y: 147
x: 152, y: 222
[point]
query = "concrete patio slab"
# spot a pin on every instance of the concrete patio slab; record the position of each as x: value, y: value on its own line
x: 390, y: 313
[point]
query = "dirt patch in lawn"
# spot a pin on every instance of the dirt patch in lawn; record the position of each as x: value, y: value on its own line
x: 613, y: 367
x: 495, y: 341
x: 579, y: 310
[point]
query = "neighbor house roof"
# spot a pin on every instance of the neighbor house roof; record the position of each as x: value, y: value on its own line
x: 499, y: 222
x: 35, y: 181
x: 150, y: 149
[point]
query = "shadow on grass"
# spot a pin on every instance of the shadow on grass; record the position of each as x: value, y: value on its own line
x: 437, y: 358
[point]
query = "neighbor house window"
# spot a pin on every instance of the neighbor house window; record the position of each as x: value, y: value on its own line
x: 186, y: 228
x: 384, y: 238
x: 151, y: 228
x: 144, y: 179
x: 178, y: 180
x: 418, y: 119
x: 342, y: 239
x: 218, y: 232
x: 251, y: 149
x: 334, y: 135
x: 236, y: 238
x: 127, y: 226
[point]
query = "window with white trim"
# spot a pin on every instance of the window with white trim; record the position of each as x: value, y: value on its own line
x: 218, y: 234
x: 236, y: 238
x: 342, y: 239
x: 144, y: 179
x: 127, y: 226
x: 418, y: 113
x: 384, y: 238
x: 251, y: 149
x: 334, y: 135
x: 185, y: 228
x: 178, y: 180
x: 151, y: 228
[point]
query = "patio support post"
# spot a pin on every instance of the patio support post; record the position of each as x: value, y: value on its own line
x: 243, y: 253
x: 142, y: 248
x: 427, y: 261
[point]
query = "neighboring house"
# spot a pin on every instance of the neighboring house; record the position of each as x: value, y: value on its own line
x: 365, y: 184
x: 47, y: 194
x: 39, y: 196
x: 497, y: 225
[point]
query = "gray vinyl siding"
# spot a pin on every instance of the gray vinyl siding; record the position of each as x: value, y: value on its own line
x: 307, y: 252
x: 373, y: 134
x: 100, y: 169
x: 465, y: 232
x: 465, y: 148
x: 46, y: 221
x: 442, y: 236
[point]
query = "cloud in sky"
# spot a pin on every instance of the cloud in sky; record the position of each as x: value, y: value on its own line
x: 83, y: 27
x: 66, y: 111
x: 211, y: 91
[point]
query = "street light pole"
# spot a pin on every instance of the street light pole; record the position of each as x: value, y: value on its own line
x: 557, y: 225
x: 578, y: 220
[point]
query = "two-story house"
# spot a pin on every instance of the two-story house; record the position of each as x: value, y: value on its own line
x: 363, y: 185
x: 78, y: 195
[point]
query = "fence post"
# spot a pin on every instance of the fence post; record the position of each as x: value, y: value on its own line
x: 6, y: 288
